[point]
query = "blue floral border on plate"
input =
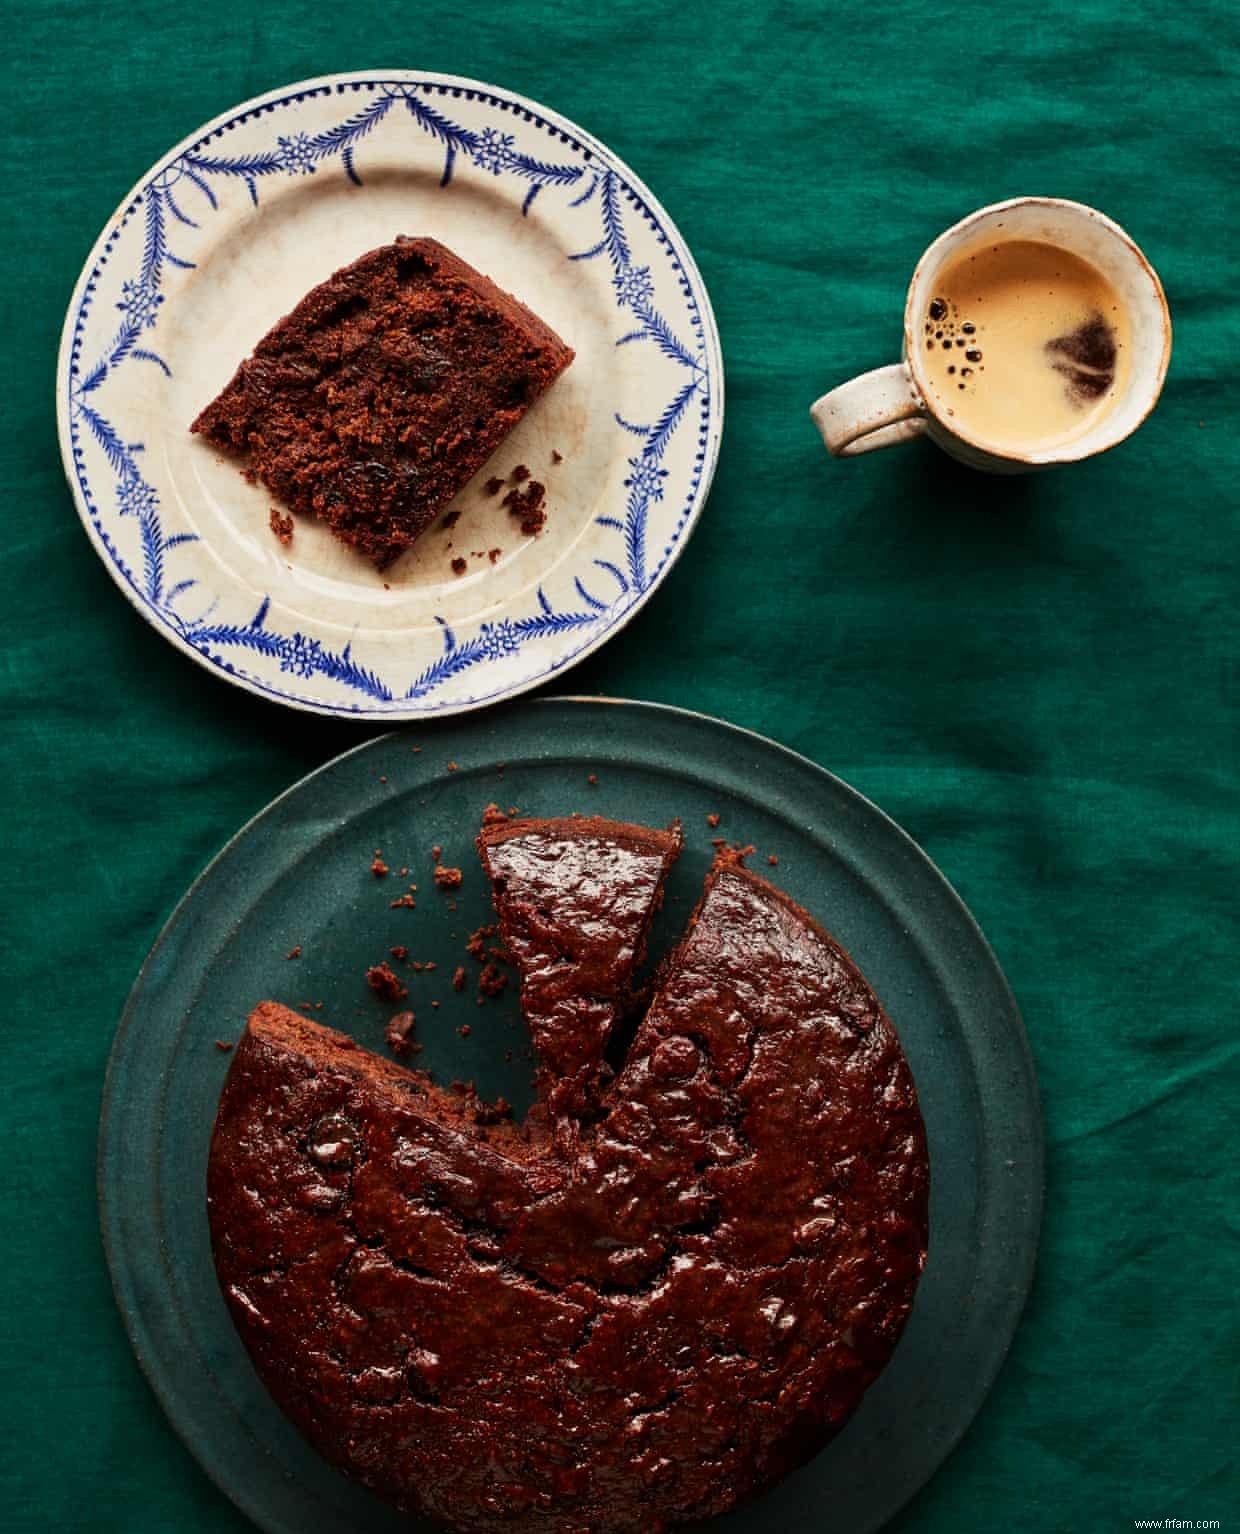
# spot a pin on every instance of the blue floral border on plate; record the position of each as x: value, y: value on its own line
x: 165, y: 198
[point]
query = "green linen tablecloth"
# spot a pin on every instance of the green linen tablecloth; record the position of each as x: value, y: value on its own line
x: 1037, y: 678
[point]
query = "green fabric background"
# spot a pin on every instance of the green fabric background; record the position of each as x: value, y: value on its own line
x: 1037, y: 678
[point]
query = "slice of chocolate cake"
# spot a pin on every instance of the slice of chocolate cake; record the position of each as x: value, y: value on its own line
x: 384, y: 391
x: 503, y: 1330
x: 575, y: 899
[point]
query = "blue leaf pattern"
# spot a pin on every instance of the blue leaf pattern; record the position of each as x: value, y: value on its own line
x: 491, y: 151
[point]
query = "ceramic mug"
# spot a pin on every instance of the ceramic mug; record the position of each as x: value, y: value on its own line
x: 894, y: 404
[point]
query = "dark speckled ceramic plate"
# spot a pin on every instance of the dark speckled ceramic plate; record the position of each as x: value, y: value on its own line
x: 300, y: 875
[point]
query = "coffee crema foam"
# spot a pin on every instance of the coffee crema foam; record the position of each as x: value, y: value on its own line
x: 1024, y: 345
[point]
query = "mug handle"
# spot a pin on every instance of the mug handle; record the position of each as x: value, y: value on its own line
x: 876, y: 409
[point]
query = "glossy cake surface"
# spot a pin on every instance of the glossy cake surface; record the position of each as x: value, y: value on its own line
x: 619, y: 1330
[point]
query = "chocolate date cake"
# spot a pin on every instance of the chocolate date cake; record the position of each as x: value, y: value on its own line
x: 384, y: 391
x: 612, y: 1334
x: 575, y: 899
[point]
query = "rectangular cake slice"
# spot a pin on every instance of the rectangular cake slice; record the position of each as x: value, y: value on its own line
x: 384, y: 391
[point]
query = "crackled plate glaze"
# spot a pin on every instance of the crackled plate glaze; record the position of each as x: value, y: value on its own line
x: 226, y: 234
x: 299, y: 877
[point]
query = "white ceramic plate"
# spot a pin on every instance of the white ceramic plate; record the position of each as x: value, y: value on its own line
x: 227, y: 233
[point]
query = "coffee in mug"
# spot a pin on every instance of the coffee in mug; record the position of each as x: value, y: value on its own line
x: 1035, y: 333
x: 1025, y: 345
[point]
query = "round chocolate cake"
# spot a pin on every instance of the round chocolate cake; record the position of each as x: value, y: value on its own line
x: 655, y: 1297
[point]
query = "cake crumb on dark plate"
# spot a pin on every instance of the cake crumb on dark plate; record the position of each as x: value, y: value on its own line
x: 772, y: 860
x: 383, y: 982
x: 404, y: 900
x: 223, y: 1045
x: 492, y: 981
x: 492, y: 815
x: 379, y: 868
x: 464, y: 1030
x: 397, y: 1033
x: 592, y: 780
x: 458, y: 978
x: 399, y: 952
x: 281, y: 526
x: 713, y: 820
x: 476, y: 945
x: 294, y: 952
x: 436, y: 854
x: 452, y: 767
x: 448, y: 878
